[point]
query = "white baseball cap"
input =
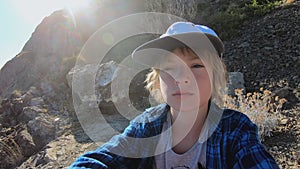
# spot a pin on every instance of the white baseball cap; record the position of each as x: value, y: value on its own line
x: 183, y: 34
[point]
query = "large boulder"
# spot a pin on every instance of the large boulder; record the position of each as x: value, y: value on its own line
x: 107, y: 94
x: 236, y: 81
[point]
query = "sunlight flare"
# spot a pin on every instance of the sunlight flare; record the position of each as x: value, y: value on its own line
x: 34, y: 10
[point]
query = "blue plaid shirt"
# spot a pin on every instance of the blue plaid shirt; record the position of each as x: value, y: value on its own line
x: 233, y: 144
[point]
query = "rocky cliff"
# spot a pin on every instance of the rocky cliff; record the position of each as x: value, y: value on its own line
x: 43, y: 56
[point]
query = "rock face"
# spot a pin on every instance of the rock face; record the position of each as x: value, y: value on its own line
x: 44, y: 56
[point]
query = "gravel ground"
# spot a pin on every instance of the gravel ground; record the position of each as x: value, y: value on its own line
x: 267, y: 52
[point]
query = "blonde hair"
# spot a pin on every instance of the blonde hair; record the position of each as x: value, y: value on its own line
x: 215, y: 67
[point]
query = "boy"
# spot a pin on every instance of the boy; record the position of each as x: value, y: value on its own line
x: 188, y: 130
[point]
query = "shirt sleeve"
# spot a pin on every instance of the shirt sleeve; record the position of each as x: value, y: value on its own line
x: 248, y: 151
x: 108, y: 155
x: 132, y: 148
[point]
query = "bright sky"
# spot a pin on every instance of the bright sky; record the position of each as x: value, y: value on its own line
x: 19, y: 19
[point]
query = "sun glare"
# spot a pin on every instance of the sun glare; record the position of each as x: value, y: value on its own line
x: 75, y: 4
x: 33, y: 10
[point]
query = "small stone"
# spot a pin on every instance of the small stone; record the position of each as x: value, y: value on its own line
x: 295, y: 58
x: 289, y: 163
x: 244, y: 44
x: 284, y: 121
x: 59, y: 153
x: 275, y: 148
x: 288, y: 155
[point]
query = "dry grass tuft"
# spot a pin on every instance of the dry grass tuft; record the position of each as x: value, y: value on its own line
x: 261, y: 107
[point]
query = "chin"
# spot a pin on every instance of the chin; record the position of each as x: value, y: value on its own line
x: 185, y: 107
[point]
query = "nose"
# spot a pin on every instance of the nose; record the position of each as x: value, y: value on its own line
x: 182, y: 76
x: 180, y: 81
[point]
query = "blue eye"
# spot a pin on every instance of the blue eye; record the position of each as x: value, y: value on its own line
x: 197, y: 66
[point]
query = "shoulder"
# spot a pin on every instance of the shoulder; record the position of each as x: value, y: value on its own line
x: 149, y: 123
x: 152, y: 114
x: 238, y: 130
x: 229, y: 113
x: 235, y: 120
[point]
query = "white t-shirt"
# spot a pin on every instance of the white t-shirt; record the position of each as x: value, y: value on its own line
x: 194, y: 158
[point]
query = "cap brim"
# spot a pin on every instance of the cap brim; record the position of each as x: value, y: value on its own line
x: 193, y: 40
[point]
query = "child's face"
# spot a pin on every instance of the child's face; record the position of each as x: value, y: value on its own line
x: 184, y: 81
